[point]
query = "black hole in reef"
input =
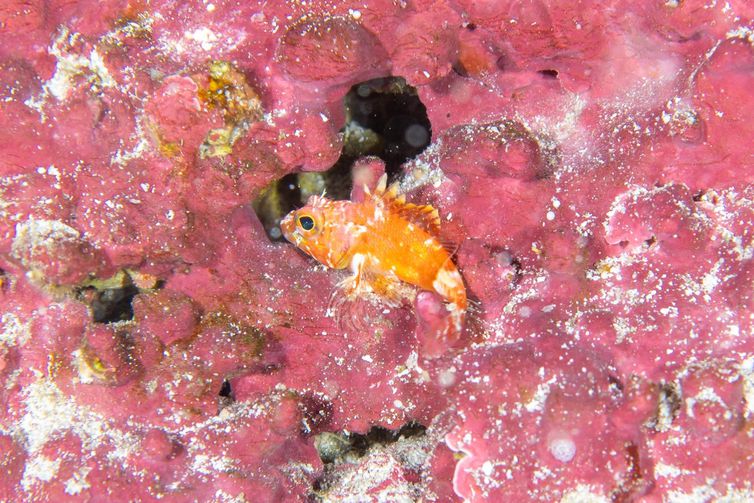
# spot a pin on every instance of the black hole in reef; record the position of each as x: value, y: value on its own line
x: 225, y: 390
x: 110, y: 299
x: 550, y: 74
x: 384, y: 118
x: 379, y: 435
x: 110, y: 305
x: 359, y: 443
x: 225, y: 397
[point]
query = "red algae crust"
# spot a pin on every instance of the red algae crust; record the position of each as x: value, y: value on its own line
x: 591, y: 161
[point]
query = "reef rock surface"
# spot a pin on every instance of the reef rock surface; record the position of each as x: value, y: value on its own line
x: 592, y: 161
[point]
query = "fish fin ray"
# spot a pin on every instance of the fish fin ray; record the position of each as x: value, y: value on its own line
x: 381, y: 185
x: 425, y: 216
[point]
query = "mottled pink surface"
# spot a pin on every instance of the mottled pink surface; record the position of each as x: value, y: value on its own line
x: 593, y: 161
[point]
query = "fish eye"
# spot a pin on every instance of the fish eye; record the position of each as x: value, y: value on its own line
x: 306, y: 222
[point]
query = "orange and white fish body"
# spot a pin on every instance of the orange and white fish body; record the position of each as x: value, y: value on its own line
x: 386, y: 242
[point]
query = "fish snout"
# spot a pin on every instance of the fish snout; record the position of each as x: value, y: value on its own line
x: 288, y: 226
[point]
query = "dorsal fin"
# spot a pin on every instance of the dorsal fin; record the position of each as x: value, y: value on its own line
x: 381, y: 184
x: 424, y: 216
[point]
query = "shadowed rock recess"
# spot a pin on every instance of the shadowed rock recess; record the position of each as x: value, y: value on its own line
x: 592, y: 168
x: 384, y: 118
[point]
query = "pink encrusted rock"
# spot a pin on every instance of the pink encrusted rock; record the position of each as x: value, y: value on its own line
x: 261, y: 148
x: 505, y: 153
x: 177, y: 115
x: 592, y: 167
x: 709, y: 415
x: 377, y: 477
x: 55, y: 329
x: 425, y: 45
x: 12, y: 462
x: 333, y: 49
x: 664, y: 216
x: 526, y: 433
x: 431, y: 317
x: 166, y: 315
x: 366, y: 174
x: 157, y: 446
x: 106, y: 357
x: 23, y: 24
x: 55, y: 252
x: 720, y: 98
x: 322, y: 144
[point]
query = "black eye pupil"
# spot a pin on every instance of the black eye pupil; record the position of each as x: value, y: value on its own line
x: 307, y: 223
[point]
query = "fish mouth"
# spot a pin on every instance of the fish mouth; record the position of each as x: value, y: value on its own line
x: 288, y: 227
x: 290, y: 232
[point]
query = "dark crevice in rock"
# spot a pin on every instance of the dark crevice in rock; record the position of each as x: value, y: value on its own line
x: 459, y: 69
x: 110, y: 305
x: 389, y: 120
x: 379, y: 435
x: 670, y: 394
x: 294, y: 189
x: 384, y: 118
x: 504, y: 63
x: 225, y: 397
x: 225, y: 390
x: 334, y: 446
x: 110, y: 300
x: 549, y: 74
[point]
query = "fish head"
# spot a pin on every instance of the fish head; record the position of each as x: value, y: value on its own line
x: 318, y: 230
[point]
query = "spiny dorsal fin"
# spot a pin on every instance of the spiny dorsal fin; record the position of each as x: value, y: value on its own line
x: 381, y: 184
x: 382, y: 188
x: 424, y: 216
x: 392, y: 190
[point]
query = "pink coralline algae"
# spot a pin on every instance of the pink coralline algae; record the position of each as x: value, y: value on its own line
x: 593, y: 168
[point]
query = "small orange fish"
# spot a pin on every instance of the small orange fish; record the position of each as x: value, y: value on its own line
x: 386, y: 242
